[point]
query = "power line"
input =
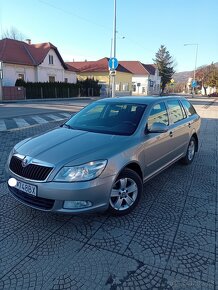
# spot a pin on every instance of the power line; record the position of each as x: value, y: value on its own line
x: 92, y: 22
x: 73, y: 14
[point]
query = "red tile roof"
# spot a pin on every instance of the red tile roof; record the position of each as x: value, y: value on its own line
x: 138, y: 68
x: 20, y: 52
x: 100, y: 65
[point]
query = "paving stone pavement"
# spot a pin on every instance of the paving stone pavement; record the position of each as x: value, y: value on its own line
x: 169, y: 242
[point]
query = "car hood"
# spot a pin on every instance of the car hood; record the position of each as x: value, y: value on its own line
x: 62, y: 145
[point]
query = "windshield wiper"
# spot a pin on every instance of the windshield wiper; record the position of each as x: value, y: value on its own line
x: 66, y: 126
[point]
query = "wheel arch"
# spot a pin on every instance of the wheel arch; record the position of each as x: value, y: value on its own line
x: 135, y: 167
x: 194, y: 135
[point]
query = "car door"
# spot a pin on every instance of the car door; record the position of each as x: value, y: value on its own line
x: 179, y: 128
x: 156, y: 145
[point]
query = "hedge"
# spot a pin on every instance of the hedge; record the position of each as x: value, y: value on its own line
x: 44, y: 90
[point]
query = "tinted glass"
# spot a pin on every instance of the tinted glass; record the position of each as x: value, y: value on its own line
x: 158, y: 115
x: 108, y: 118
x: 189, y: 108
x: 175, y: 110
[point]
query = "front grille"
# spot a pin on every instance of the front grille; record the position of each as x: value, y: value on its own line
x: 38, y: 202
x: 31, y: 171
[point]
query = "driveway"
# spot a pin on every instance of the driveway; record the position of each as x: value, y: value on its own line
x: 169, y: 242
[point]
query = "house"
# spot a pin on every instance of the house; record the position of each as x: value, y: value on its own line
x: 33, y: 63
x: 99, y: 71
x: 145, y: 79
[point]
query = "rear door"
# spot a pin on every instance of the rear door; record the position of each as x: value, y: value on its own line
x: 179, y: 128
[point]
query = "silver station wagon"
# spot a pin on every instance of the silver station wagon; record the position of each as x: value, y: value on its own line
x: 99, y: 159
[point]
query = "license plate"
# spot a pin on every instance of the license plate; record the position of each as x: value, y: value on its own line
x: 27, y: 188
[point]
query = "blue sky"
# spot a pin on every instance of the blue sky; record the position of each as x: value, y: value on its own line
x: 82, y: 29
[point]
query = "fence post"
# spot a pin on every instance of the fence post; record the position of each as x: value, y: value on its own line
x: 68, y: 92
x: 56, y: 93
x: 24, y: 93
x: 41, y: 89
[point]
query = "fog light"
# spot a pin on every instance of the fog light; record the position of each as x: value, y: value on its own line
x: 74, y: 204
x: 12, y: 182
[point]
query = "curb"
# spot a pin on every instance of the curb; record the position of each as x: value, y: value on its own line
x: 48, y: 100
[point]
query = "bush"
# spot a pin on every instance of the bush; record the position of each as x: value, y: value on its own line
x: 20, y: 83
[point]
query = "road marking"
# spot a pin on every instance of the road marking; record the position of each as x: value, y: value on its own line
x: 21, y: 122
x: 39, y: 119
x: 67, y: 115
x: 2, y: 125
x: 53, y: 117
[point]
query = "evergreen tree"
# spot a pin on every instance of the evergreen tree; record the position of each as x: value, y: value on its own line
x: 165, y: 65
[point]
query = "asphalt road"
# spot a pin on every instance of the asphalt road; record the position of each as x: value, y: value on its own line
x: 169, y: 242
x: 18, y: 109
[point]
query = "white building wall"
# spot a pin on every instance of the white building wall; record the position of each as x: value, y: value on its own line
x: 155, y: 81
x: 71, y: 76
x: 149, y: 85
x: 209, y: 90
x: 11, y: 73
x: 56, y: 70
x: 143, y: 81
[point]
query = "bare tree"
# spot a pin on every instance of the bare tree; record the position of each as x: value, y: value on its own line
x: 13, y: 33
x: 208, y: 76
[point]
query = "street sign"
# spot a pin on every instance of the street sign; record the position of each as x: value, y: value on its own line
x: 194, y: 84
x: 113, y: 63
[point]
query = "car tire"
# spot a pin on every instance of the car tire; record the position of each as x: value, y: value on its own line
x: 126, y: 193
x: 190, y: 153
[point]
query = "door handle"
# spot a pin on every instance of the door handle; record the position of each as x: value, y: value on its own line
x: 171, y: 134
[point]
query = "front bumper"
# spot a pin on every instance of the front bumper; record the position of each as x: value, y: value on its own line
x: 52, y: 195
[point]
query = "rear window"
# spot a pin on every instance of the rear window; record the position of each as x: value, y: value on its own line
x: 176, y: 112
x: 190, y: 110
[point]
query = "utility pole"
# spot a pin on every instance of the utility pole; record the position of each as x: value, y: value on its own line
x: 1, y: 77
x: 114, y: 49
x: 196, y: 57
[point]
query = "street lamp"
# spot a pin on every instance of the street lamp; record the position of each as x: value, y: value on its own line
x: 196, y: 57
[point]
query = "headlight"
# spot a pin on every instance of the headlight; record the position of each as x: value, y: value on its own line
x: 82, y: 172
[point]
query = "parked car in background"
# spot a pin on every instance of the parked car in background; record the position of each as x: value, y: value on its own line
x: 99, y: 159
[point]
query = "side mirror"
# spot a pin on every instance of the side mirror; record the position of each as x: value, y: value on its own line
x: 158, y: 128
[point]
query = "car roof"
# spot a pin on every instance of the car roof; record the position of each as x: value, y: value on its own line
x: 145, y: 100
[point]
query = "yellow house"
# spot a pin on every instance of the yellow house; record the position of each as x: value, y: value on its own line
x: 99, y: 71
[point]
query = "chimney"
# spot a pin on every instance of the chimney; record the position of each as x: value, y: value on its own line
x: 28, y: 40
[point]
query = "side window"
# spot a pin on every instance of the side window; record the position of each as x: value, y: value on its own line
x: 175, y: 110
x: 158, y: 114
x: 183, y: 111
x: 189, y: 108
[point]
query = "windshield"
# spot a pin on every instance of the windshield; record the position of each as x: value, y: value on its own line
x: 108, y: 118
